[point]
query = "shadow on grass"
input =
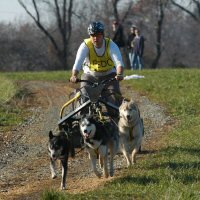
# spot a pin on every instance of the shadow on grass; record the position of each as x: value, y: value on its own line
x: 174, y: 150
x: 188, y: 179
x: 182, y: 165
x: 147, y: 152
x: 139, y: 180
x: 184, y: 171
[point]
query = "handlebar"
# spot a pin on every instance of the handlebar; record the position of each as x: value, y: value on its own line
x: 96, y: 83
x: 94, y: 89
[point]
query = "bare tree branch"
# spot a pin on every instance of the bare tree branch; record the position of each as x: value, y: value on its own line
x: 188, y: 11
x: 58, y: 16
x: 70, y: 18
x: 64, y: 26
x: 197, y: 2
x: 128, y: 11
x: 36, y: 9
x: 160, y: 18
x: 115, y: 10
x: 37, y: 21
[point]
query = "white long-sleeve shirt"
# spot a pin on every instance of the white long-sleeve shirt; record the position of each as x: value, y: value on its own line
x: 82, y: 57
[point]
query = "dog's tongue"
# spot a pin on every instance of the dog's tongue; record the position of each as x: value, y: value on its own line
x: 87, y: 134
x: 54, y: 158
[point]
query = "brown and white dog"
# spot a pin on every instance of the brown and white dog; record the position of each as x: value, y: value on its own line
x: 131, y: 130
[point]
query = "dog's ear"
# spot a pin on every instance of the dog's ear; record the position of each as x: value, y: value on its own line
x: 50, y: 134
x: 125, y: 100
x: 137, y: 108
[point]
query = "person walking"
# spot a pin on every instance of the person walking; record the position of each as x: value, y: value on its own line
x: 137, y: 50
x: 131, y: 36
x: 102, y: 60
x: 118, y: 34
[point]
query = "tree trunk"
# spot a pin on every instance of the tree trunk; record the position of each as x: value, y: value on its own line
x: 160, y: 16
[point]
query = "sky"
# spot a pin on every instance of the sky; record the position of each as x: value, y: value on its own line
x: 11, y: 11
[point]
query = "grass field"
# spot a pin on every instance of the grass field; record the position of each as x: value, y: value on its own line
x: 174, y: 171
x: 10, y: 114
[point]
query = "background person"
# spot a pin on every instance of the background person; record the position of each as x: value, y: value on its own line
x: 131, y: 36
x: 118, y: 34
x: 137, y: 50
x: 96, y: 50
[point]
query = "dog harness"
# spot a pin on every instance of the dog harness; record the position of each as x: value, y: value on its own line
x: 102, y: 63
x: 90, y: 144
x: 131, y: 127
x: 93, y: 144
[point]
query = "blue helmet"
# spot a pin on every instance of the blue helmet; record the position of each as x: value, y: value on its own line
x: 95, y: 27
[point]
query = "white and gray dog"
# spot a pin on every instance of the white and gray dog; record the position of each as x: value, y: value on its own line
x: 100, y: 139
x: 131, y: 130
x: 59, y: 148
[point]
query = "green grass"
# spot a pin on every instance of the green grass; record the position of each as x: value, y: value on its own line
x: 174, y: 171
x: 10, y: 114
x: 7, y: 89
x: 44, y: 76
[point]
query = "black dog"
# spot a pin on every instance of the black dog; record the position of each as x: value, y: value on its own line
x: 59, y: 148
x: 100, y: 138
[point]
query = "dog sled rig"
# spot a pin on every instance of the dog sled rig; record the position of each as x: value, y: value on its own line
x: 94, y: 101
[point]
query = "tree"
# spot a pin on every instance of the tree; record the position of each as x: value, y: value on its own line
x: 63, y: 15
x: 126, y: 10
x: 192, y: 9
x: 150, y: 15
x: 160, y: 6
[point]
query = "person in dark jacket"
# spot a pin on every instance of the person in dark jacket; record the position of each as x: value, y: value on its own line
x: 118, y: 34
x: 137, y: 50
x: 131, y: 36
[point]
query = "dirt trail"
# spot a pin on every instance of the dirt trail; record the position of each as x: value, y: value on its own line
x: 24, y: 162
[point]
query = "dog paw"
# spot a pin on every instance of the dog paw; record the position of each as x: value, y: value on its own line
x: 98, y: 175
x: 133, y: 162
x: 106, y: 175
x: 111, y: 174
x: 129, y: 165
x: 63, y: 188
x: 54, y: 176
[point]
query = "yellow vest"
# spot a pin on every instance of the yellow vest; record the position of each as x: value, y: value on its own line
x: 100, y: 63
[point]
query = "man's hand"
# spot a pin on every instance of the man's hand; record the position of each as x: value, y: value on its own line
x: 119, y: 77
x: 73, y: 79
x: 74, y: 76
